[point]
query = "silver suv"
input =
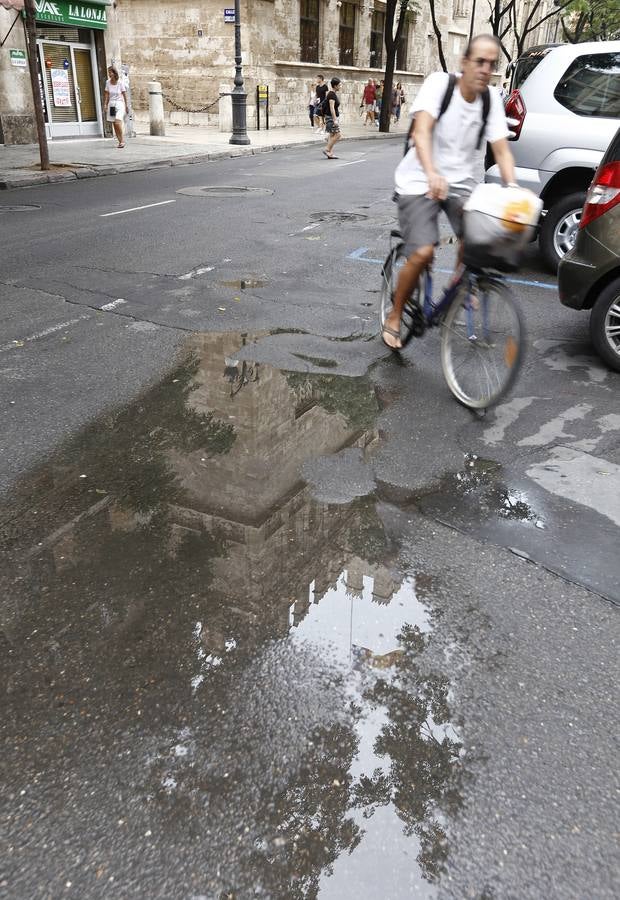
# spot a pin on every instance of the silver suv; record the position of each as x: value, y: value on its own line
x: 563, y: 110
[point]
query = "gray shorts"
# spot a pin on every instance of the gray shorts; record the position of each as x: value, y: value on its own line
x: 418, y: 217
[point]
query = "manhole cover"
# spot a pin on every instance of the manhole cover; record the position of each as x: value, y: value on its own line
x: 223, y: 191
x: 19, y: 208
x: 336, y: 217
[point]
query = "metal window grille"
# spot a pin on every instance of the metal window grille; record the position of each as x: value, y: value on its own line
x: 377, y: 32
x: 346, y: 35
x: 309, y: 31
x: 460, y: 9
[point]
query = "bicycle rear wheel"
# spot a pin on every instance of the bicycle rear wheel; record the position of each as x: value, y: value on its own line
x: 482, y: 344
x: 389, y: 277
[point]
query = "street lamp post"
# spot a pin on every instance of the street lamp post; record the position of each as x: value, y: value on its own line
x: 238, y: 95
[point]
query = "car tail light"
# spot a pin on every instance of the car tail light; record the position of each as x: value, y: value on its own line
x: 603, y: 193
x: 515, y: 114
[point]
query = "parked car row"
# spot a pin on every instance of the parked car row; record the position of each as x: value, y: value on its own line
x: 563, y: 112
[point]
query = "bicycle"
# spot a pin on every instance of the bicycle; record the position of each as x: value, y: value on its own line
x: 482, y: 327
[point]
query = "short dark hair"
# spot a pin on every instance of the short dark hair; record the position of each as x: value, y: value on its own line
x: 320, y: 77
x: 335, y: 82
x: 492, y: 38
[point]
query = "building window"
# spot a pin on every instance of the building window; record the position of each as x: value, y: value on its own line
x: 401, y: 50
x: 309, y: 31
x: 347, y: 33
x: 377, y: 30
x: 460, y: 9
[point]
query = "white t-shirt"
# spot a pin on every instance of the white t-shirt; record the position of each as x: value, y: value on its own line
x: 115, y: 91
x: 455, y: 136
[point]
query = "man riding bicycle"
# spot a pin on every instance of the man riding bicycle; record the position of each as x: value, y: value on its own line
x: 441, y: 164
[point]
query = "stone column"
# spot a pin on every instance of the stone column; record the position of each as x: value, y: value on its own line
x: 362, y: 50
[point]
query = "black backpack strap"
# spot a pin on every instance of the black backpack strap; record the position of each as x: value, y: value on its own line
x: 445, y: 103
x: 486, y: 106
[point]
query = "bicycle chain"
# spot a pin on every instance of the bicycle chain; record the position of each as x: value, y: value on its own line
x: 187, y: 109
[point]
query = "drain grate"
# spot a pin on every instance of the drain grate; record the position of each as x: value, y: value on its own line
x: 223, y: 191
x: 336, y: 217
x: 19, y: 208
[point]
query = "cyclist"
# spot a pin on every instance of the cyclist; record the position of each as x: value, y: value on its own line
x: 441, y: 164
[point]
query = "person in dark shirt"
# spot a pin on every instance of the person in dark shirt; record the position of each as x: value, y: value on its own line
x: 321, y: 93
x: 332, y: 110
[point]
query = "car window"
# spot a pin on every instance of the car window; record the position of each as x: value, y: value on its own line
x: 525, y: 66
x: 612, y: 154
x: 591, y: 86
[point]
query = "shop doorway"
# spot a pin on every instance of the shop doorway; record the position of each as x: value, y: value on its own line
x: 71, y: 103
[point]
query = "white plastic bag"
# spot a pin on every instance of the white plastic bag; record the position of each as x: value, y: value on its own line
x: 498, y: 223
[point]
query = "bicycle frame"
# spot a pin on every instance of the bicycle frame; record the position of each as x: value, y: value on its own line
x: 476, y: 284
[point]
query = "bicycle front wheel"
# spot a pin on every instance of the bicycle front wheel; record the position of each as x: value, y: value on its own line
x: 389, y: 277
x: 482, y: 344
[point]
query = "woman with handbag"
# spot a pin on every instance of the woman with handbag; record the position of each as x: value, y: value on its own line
x: 115, y: 101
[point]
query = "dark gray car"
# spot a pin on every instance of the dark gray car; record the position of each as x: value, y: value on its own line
x: 589, y: 274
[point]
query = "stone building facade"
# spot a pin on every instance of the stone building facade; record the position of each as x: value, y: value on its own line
x: 189, y: 48
x: 75, y: 43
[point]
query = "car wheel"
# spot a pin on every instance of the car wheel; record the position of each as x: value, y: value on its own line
x: 605, y: 325
x: 558, y: 231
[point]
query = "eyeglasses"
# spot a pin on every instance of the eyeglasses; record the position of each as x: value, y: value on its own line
x: 480, y: 62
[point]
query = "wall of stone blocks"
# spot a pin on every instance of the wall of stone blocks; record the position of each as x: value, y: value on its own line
x: 17, y: 124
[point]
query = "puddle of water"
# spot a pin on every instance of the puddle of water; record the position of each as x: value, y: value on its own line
x: 479, y: 491
x: 212, y: 665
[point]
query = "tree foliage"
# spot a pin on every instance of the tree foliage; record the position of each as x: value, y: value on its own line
x: 591, y: 20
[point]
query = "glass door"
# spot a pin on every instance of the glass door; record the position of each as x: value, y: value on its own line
x: 71, y: 100
x: 85, y: 91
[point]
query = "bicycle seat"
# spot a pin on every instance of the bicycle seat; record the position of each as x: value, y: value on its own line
x: 395, y: 233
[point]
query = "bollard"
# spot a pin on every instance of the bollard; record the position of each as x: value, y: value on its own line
x: 156, y: 109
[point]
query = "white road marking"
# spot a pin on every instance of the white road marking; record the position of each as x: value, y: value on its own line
x: 120, y: 212
x: 195, y: 272
x: 553, y: 430
x: 113, y: 304
x: 505, y: 415
x: 13, y: 345
x: 588, y: 480
x: 353, y: 163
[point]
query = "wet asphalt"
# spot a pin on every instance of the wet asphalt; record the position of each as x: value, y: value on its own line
x: 278, y: 618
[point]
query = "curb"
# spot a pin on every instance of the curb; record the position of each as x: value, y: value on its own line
x: 24, y: 180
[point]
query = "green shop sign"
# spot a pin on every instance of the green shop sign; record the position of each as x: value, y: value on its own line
x: 80, y: 15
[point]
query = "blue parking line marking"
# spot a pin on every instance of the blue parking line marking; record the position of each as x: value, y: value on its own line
x: 358, y: 256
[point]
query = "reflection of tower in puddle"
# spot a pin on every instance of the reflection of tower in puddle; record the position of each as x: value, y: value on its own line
x: 383, y: 584
x: 278, y: 538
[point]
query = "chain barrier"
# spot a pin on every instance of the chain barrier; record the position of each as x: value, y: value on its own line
x: 185, y: 108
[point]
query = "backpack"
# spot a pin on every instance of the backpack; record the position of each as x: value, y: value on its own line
x: 445, y: 103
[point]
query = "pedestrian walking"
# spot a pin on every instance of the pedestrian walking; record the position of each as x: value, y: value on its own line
x: 320, y: 91
x: 312, y: 106
x: 331, y: 110
x: 398, y: 99
x: 115, y: 102
x: 369, y: 96
x: 378, y: 102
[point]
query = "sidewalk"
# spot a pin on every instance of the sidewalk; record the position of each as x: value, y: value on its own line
x: 182, y: 145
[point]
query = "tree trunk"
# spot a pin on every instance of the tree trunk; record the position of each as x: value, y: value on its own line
x: 437, y: 31
x: 31, y: 35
